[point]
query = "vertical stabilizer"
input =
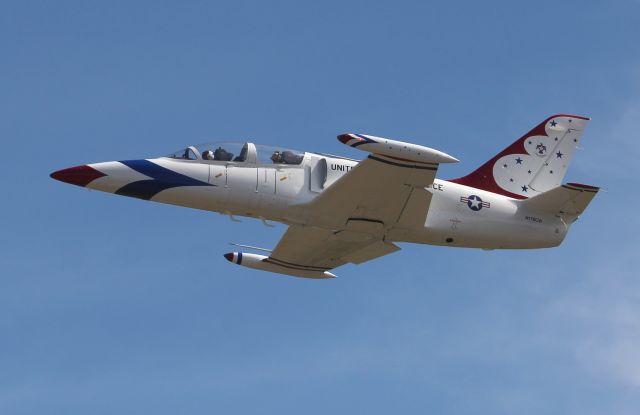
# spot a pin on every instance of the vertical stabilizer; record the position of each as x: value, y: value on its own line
x: 535, y: 163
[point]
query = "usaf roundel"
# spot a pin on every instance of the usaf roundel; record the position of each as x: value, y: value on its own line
x: 474, y: 202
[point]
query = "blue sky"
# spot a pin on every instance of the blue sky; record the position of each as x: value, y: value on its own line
x: 115, y: 305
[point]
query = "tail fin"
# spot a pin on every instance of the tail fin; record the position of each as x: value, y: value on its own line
x: 568, y: 200
x: 535, y: 163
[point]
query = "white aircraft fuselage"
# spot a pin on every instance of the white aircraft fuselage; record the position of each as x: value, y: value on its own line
x: 280, y: 192
x: 287, y: 187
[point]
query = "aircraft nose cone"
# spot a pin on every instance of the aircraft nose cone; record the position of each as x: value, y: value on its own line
x: 79, y: 175
x: 229, y: 256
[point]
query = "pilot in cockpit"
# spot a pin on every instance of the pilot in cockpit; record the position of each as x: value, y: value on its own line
x: 222, y: 154
x: 286, y: 157
x: 207, y: 155
x: 276, y: 157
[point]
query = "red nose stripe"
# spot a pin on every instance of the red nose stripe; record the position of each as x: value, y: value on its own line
x: 79, y: 175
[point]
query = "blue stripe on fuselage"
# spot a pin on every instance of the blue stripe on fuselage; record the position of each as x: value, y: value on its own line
x: 161, y: 179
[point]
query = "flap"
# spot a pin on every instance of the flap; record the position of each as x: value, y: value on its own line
x: 313, y: 248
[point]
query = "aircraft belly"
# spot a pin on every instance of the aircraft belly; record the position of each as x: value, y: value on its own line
x: 469, y: 232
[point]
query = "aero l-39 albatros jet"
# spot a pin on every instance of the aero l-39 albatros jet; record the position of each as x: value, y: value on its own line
x: 342, y: 210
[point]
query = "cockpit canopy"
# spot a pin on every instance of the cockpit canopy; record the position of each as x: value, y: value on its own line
x: 239, y: 153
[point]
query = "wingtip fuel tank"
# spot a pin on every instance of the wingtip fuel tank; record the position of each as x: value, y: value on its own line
x: 395, y: 149
x: 265, y: 263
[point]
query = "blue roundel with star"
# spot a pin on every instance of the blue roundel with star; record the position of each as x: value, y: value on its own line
x: 474, y: 202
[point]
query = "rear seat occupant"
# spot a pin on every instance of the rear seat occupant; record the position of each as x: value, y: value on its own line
x: 222, y: 155
x: 276, y: 157
x: 289, y: 157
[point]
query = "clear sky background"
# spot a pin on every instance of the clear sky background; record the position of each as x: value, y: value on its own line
x: 114, y: 305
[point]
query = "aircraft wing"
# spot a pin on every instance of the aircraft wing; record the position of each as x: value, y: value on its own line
x: 351, y: 217
x: 349, y: 220
x: 377, y: 191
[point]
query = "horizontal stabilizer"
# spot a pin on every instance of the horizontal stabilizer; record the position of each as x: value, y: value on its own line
x: 569, y: 199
